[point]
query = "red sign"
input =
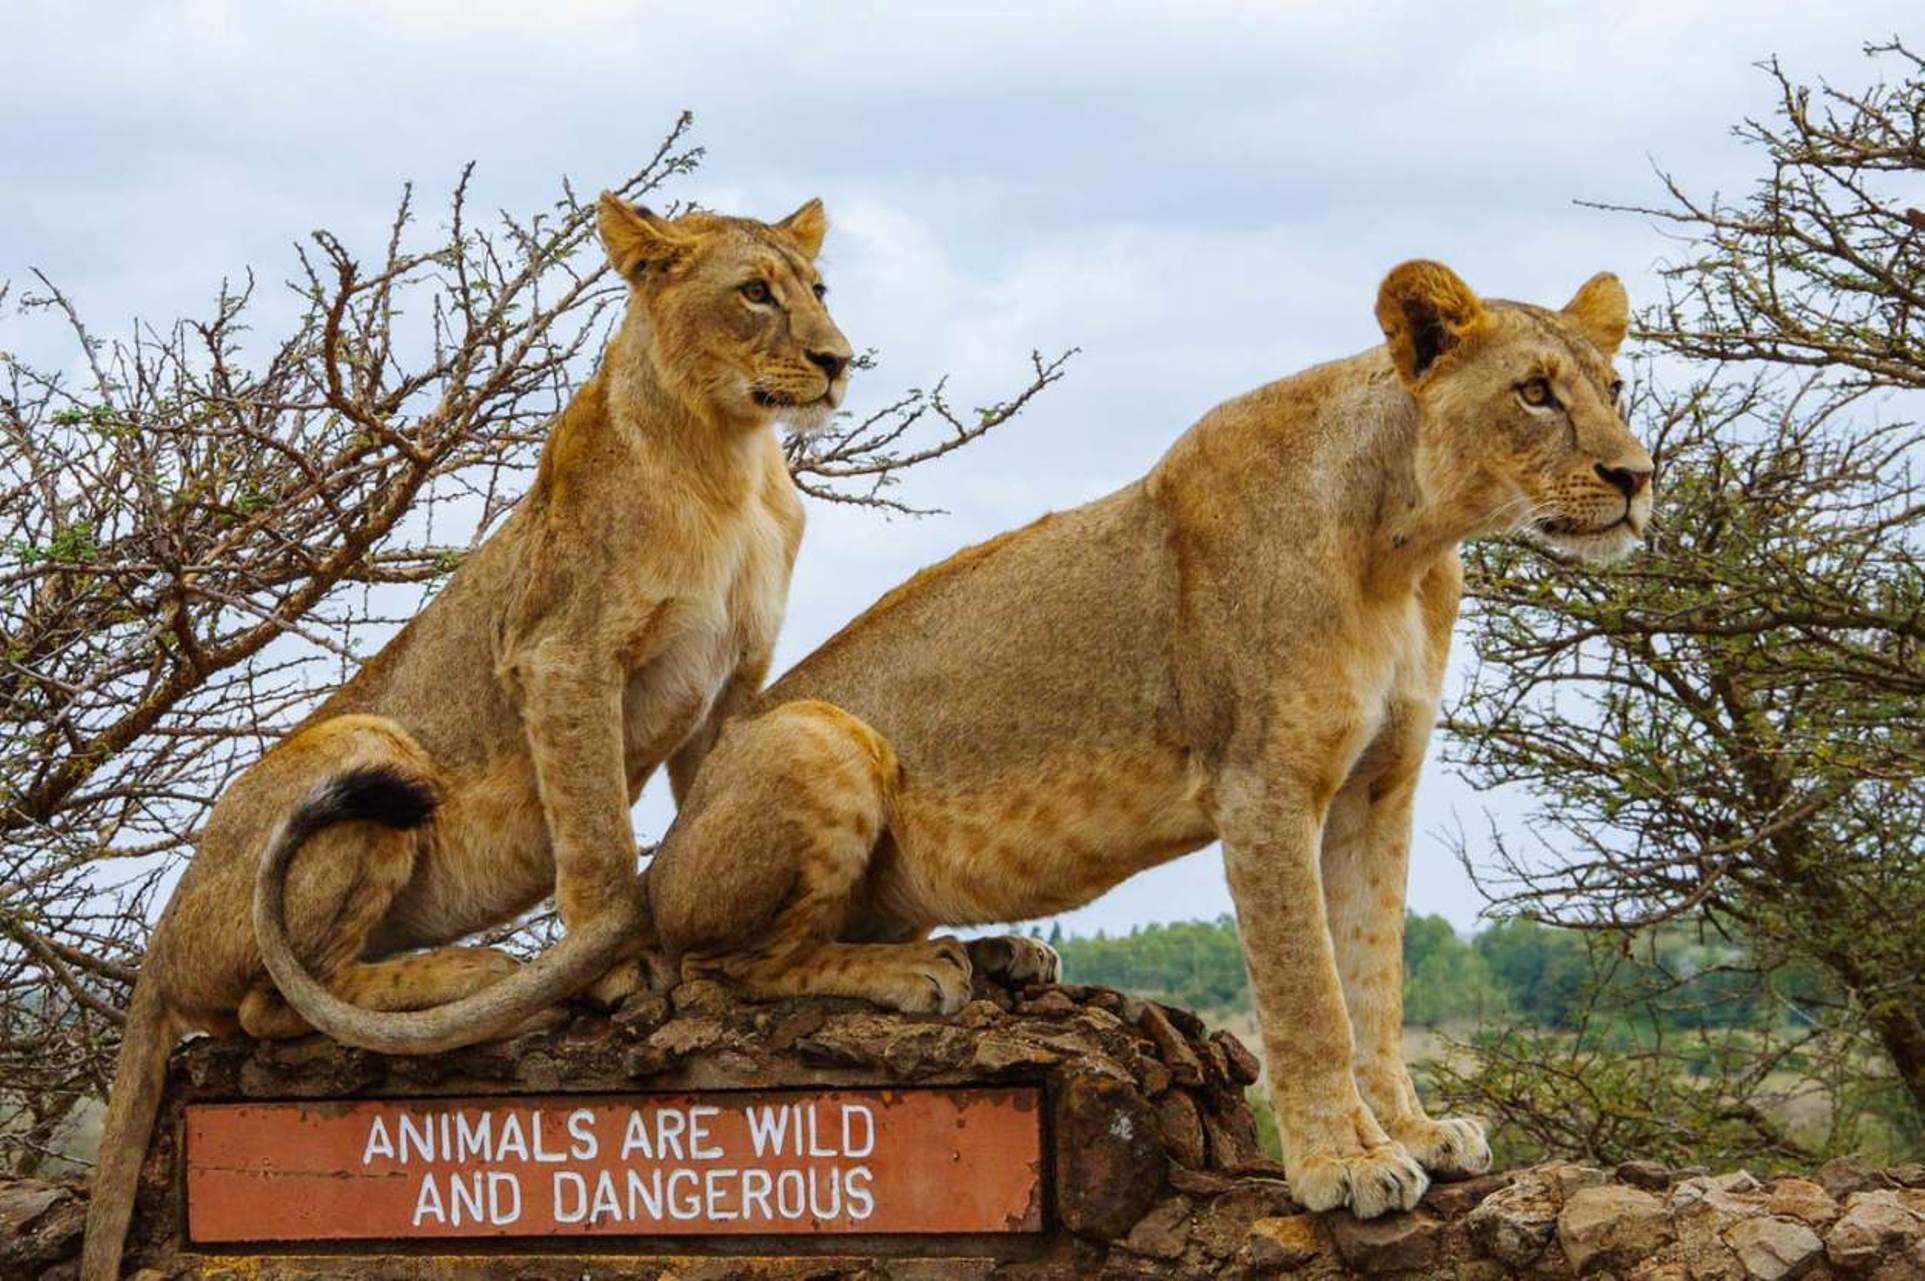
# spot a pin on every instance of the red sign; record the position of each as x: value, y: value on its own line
x: 726, y: 1162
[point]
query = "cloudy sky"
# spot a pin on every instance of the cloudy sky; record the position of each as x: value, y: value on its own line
x: 1202, y: 196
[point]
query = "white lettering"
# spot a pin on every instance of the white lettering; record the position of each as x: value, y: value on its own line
x: 692, y: 1207
x: 416, y: 1132
x: 860, y: 1111
x: 698, y: 1132
x: 464, y: 1192
x: 815, y: 1147
x: 581, y: 1128
x: 427, y: 1202
x: 862, y: 1201
x: 666, y: 1134
x: 785, y: 1190
x: 767, y: 1126
x: 503, y: 1209
x: 580, y: 1185
x: 545, y: 1157
x: 605, y: 1202
x: 471, y: 1141
x: 716, y: 1194
x: 511, y: 1139
x: 756, y: 1186
x: 379, y: 1144
x: 835, y: 1194
x: 635, y: 1138
x: 649, y: 1193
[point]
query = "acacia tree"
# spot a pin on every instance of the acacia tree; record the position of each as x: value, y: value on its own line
x: 204, y: 532
x: 1727, y: 730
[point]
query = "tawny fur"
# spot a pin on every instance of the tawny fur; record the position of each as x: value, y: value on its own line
x: 626, y: 606
x: 1246, y: 645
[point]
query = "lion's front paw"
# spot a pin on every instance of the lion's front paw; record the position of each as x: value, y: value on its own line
x: 934, y: 981
x: 1370, y: 1183
x: 616, y: 986
x: 1454, y: 1145
x: 1016, y: 958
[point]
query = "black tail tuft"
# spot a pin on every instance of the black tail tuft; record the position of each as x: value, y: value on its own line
x: 381, y: 793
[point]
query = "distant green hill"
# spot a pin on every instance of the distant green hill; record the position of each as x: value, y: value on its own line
x: 1514, y: 971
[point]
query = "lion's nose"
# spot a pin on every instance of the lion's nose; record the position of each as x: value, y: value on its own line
x: 1629, y: 481
x: 829, y: 362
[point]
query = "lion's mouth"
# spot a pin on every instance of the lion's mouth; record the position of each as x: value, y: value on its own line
x: 767, y: 399
x: 1565, y: 527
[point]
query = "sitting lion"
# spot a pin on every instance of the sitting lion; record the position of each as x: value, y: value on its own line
x: 490, y: 752
x: 1247, y: 645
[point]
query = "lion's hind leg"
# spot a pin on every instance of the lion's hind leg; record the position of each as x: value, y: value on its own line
x: 927, y: 977
x: 343, y: 884
x: 756, y: 884
x: 413, y: 981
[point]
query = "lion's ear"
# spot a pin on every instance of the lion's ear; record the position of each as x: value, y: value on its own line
x: 806, y: 226
x: 1425, y: 309
x: 634, y: 236
x: 1602, y: 312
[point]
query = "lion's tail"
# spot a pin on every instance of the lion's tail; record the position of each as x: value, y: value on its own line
x: 132, y: 1105
x: 392, y: 795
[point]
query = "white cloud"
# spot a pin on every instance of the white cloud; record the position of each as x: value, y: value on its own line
x: 1203, y: 197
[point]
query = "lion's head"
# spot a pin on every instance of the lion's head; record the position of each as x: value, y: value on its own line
x: 1521, y: 426
x: 729, y: 310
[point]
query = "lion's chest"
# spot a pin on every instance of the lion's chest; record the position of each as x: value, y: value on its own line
x: 728, y: 608
x: 1394, y: 688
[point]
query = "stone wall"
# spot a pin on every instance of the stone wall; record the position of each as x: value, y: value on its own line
x: 1154, y: 1166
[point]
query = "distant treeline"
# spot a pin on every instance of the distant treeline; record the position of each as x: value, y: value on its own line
x: 1513, y: 971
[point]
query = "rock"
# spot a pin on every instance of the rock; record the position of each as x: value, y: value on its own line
x: 1181, y: 1127
x: 22, y: 1203
x: 1049, y: 1003
x: 1571, y: 1178
x: 1909, y: 1175
x: 683, y: 1036
x: 1223, y: 1226
x: 1514, y: 1224
x: 1481, y: 1270
x: 1773, y: 1248
x: 1803, y: 1200
x: 1454, y: 1200
x: 1665, y: 1270
x: 1653, y: 1176
x: 1152, y: 1075
x: 1244, y: 1069
x: 1171, y: 1046
x: 1163, y: 1232
x: 979, y: 1013
x: 1392, y: 1243
x: 1849, y: 1174
x: 1201, y: 1183
x: 996, y: 1052
x: 1611, y: 1226
x: 1281, y: 1244
x: 1729, y: 1196
x: 1232, y: 1135
x: 40, y: 1225
x: 700, y: 996
x: 1873, y: 1224
x: 644, y: 1011
x: 1108, y: 1153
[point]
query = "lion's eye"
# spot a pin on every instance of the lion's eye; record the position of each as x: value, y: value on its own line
x: 1617, y: 395
x: 821, y: 291
x: 1536, y: 393
x: 757, y: 291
